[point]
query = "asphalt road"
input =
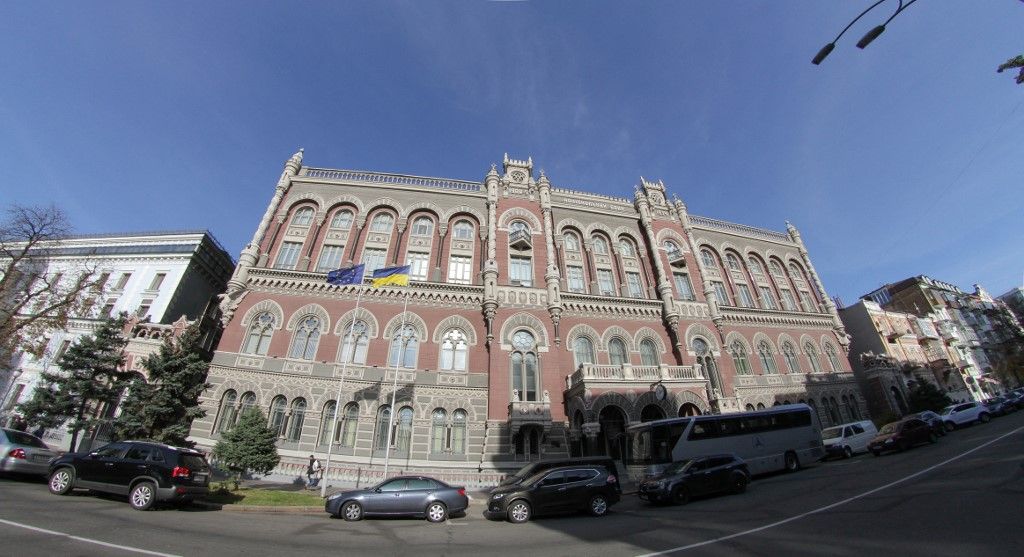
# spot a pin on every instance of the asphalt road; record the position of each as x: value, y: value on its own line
x: 963, y: 496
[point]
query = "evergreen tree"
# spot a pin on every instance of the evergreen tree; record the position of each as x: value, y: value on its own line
x: 88, y: 385
x: 250, y: 446
x: 163, y: 409
x: 926, y: 396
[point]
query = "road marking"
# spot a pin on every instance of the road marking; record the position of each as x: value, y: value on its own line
x: 87, y: 540
x: 828, y: 507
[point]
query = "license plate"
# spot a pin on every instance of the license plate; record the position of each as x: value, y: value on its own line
x: 40, y: 458
x: 201, y: 478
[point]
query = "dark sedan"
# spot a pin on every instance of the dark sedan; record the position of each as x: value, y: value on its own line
x: 902, y: 435
x: 402, y: 496
x: 697, y: 476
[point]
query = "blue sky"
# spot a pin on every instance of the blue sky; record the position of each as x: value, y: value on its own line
x: 904, y: 158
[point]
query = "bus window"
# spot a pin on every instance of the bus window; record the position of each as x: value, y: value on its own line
x: 730, y: 426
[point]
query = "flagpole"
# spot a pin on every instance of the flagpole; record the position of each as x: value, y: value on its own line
x: 337, y: 399
x: 394, y: 386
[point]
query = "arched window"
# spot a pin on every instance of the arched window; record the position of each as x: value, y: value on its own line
x: 383, y: 428
x: 342, y: 220
x: 755, y: 267
x: 327, y: 422
x: 247, y: 403
x: 764, y: 351
x: 776, y: 268
x: 572, y: 243
x: 524, y: 366
x: 454, y: 350
x: 438, y: 430
x: 708, y: 258
x: 795, y: 271
x: 260, y: 331
x: 733, y: 261
x: 617, y: 352
x: 583, y: 351
x: 851, y: 407
x: 458, y: 438
x: 789, y: 354
x: 648, y: 353
x: 227, y: 411
x: 403, y: 431
x: 833, y: 358
x: 600, y: 245
x: 382, y: 223
x: 707, y: 362
x: 672, y: 249
x: 278, y: 408
x: 626, y: 248
x: 306, y: 339
x: 298, y: 417
x: 303, y: 217
x: 348, y: 426
x: 422, y: 226
x: 739, y: 357
x: 812, y: 355
x: 355, y: 337
x: 749, y: 408
x: 463, y: 230
x: 404, y: 346
x: 518, y: 226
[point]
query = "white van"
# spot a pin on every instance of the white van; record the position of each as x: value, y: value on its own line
x: 846, y: 439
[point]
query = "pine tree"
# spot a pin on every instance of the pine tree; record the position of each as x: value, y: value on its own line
x: 163, y: 409
x: 88, y: 385
x: 924, y: 395
x: 250, y: 446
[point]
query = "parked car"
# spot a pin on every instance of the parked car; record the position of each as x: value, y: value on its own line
x: 1016, y: 397
x: 934, y: 420
x: 846, y: 439
x: 148, y: 473
x: 400, y: 496
x: 590, y: 487
x: 541, y: 465
x: 902, y: 435
x: 697, y: 476
x: 956, y: 415
x: 999, y: 406
x: 23, y: 453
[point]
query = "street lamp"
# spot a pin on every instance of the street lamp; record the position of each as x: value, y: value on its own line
x: 867, y: 38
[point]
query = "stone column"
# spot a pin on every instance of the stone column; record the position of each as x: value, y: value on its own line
x: 490, y: 272
x: 668, y: 308
x: 551, y: 275
x: 830, y: 306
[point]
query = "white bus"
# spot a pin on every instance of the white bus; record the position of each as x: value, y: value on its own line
x: 779, y: 438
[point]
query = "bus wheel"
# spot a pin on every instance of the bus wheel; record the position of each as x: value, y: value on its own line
x: 792, y: 462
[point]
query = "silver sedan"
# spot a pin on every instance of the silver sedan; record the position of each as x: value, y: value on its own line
x: 23, y: 453
x: 404, y: 495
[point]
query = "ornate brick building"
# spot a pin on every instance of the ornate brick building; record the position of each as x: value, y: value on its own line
x: 540, y: 320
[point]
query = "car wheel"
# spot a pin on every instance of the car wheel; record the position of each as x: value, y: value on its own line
x: 437, y: 512
x: 519, y: 512
x: 598, y: 505
x: 680, y: 495
x: 932, y: 438
x: 984, y: 418
x: 792, y: 462
x: 950, y: 426
x: 739, y: 483
x: 352, y: 511
x: 142, y: 496
x: 62, y: 481
x: 847, y: 452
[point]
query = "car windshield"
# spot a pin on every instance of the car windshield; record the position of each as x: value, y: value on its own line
x: 831, y: 432
x: 21, y: 438
x: 948, y: 410
x: 890, y: 428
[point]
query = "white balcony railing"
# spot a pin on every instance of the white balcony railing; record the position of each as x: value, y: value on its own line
x: 604, y: 373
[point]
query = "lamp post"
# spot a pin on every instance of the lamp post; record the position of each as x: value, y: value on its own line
x: 868, y: 37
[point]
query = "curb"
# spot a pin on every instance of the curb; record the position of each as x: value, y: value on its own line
x: 279, y: 509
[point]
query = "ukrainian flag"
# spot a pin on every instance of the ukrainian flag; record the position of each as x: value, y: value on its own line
x: 396, y: 276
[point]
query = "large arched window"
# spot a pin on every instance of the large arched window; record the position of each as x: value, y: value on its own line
x: 382, y: 222
x: 454, y: 351
x: 422, y: 226
x: 348, y: 426
x: 617, y: 352
x: 342, y: 220
x: 765, y: 353
x: 383, y: 428
x: 571, y: 241
x: 297, y: 419
x: 626, y: 248
x: 789, y: 353
x: 303, y: 217
x: 355, y: 343
x: 776, y: 268
x: 755, y: 267
x: 247, y: 403
x: 518, y: 226
x: 260, y: 332
x: 600, y: 245
x: 524, y: 366
x: 672, y: 249
x: 739, y: 357
x: 795, y: 271
x: 812, y: 355
x: 458, y: 437
x: 278, y: 415
x: 227, y: 411
x: 833, y: 358
x: 327, y: 422
x: 403, y: 431
x: 708, y: 258
x: 733, y: 262
x: 583, y: 351
x: 648, y: 353
x: 404, y: 346
x: 707, y: 362
x: 306, y: 339
x: 438, y: 430
x: 463, y: 230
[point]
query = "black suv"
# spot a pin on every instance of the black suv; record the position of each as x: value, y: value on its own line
x: 146, y: 472
x: 701, y: 475
x: 589, y: 487
x: 541, y: 465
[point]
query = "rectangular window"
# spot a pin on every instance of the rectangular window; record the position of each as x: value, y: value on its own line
x: 521, y: 271
x: 683, y: 287
x: 373, y: 259
x: 788, y: 301
x: 330, y: 258
x: 144, y: 308
x: 721, y: 294
x: 767, y: 300
x: 636, y: 289
x: 157, y: 281
x: 108, y: 309
x: 123, y: 281
x: 805, y: 300
x: 288, y: 255
x: 18, y: 389
x: 64, y: 345
x: 746, y: 299
x: 575, y: 279
x: 418, y: 263
x: 605, y: 282
x: 460, y: 269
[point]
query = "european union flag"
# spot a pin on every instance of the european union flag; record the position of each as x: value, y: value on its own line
x: 351, y: 275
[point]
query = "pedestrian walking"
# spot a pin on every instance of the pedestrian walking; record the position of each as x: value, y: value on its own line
x: 309, y: 471
x: 318, y: 472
